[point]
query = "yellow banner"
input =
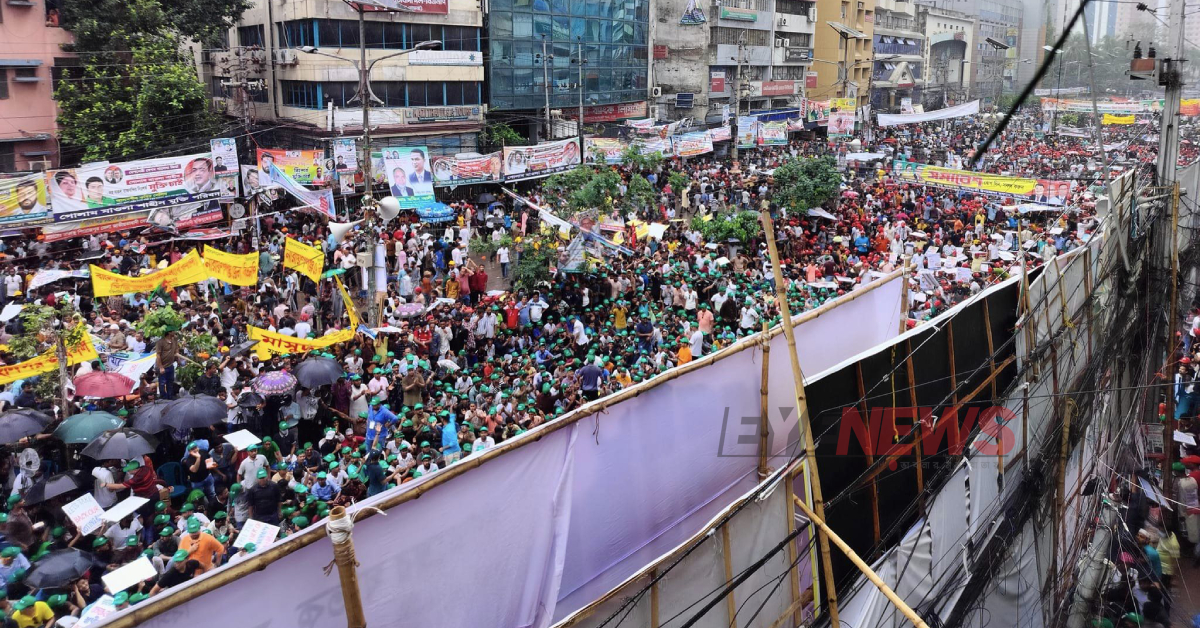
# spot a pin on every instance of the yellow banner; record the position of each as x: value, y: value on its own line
x: 81, y: 351
x: 843, y: 104
x: 239, y: 270
x: 310, y: 261
x: 190, y: 269
x: 271, y: 342
x: 350, y: 311
x: 1115, y: 119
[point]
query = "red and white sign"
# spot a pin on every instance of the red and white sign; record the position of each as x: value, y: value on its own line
x: 660, y: 51
x: 609, y: 113
x: 810, y: 80
x: 716, y: 82
x: 778, y: 88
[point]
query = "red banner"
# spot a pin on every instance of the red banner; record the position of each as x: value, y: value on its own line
x: 716, y: 82
x: 778, y: 88
x: 609, y: 113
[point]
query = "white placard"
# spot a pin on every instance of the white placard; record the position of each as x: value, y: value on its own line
x: 656, y: 230
x: 129, y: 575
x: 85, y: 512
x: 256, y: 532
x: 1185, y: 438
x: 98, y: 612
x: 242, y: 439
x: 127, y: 507
x: 721, y: 261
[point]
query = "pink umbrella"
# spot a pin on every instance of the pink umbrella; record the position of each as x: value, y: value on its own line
x: 103, y: 384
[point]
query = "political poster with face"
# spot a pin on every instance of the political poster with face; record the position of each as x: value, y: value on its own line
x: 24, y: 199
x: 225, y: 166
x: 103, y: 190
x: 542, y: 160
x: 409, y: 175
x: 306, y: 167
x: 345, y: 156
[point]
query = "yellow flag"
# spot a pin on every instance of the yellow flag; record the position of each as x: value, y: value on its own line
x: 1115, y: 119
x: 189, y: 269
x: 308, y: 260
x: 77, y: 353
x: 239, y: 270
x: 350, y: 311
x: 271, y: 342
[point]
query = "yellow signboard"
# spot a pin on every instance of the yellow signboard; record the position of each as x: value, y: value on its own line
x: 190, y: 269
x: 1115, y: 119
x: 272, y: 342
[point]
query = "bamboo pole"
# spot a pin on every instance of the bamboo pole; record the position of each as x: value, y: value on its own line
x: 343, y: 556
x: 919, y: 427
x: 764, y: 425
x: 812, y: 473
x: 904, y: 294
x: 173, y: 598
x: 789, y: 481
x: 863, y: 567
x: 654, y: 599
x: 876, y: 530
x: 727, y: 555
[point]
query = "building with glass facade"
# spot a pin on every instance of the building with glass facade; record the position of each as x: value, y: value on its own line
x: 614, y: 37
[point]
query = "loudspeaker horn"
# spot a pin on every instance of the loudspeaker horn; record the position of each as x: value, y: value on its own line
x: 340, y: 229
x: 389, y: 208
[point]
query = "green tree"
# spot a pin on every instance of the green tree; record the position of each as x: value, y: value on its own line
x: 635, y: 159
x: 42, y: 327
x: 533, y: 268
x: 137, y: 89
x: 804, y: 183
x: 741, y: 226
x: 493, y: 137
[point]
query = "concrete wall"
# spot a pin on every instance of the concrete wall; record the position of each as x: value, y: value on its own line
x: 30, y: 111
x: 685, y: 69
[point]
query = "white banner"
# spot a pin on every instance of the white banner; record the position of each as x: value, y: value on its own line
x: 957, y: 111
x: 44, y: 277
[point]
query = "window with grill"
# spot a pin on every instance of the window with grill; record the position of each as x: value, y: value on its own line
x: 251, y: 36
x: 301, y: 94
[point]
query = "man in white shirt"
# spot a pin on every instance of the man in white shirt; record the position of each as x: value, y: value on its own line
x: 104, y: 477
x: 502, y: 257
x: 697, y: 343
x: 579, y: 332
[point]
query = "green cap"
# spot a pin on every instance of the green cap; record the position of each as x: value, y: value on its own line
x: 193, y: 525
x: 249, y: 547
x: 100, y: 541
x: 162, y: 519
x: 136, y: 597
x: 322, y: 475
x: 24, y: 602
x: 10, y: 552
x: 57, y: 600
x: 121, y: 598
x: 165, y: 532
x: 180, y: 556
x: 300, y: 522
x: 58, y: 531
x: 221, y: 514
x: 233, y: 488
x: 300, y: 489
x: 188, y: 507
x: 262, y: 473
x: 131, y: 541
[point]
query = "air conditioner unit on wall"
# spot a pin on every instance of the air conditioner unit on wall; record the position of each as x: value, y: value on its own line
x: 39, y: 166
x: 782, y: 21
x: 812, y: 14
x: 286, y: 57
x: 655, y: 92
x: 653, y: 112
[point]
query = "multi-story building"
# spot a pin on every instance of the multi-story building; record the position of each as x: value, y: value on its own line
x: 535, y: 55
x: 997, y: 45
x: 950, y: 43
x: 698, y: 52
x: 28, y: 57
x: 276, y: 70
x: 844, y: 42
x: 898, y: 67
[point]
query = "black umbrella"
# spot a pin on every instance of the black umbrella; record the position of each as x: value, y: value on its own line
x: 250, y: 399
x: 194, y: 411
x: 148, y: 418
x: 20, y: 423
x: 315, y: 372
x: 52, y: 487
x: 59, y: 568
x: 120, y: 444
x: 486, y: 197
x: 242, y: 348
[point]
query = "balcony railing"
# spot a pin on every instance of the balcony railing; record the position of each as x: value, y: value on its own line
x: 897, y: 49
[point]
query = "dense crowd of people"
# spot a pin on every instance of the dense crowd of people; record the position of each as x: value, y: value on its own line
x: 460, y: 360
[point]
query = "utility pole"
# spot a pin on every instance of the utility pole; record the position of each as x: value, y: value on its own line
x: 1170, y: 75
x: 546, y: 58
x: 737, y: 98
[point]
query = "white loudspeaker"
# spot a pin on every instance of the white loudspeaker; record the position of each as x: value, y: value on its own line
x: 389, y: 208
x: 340, y: 229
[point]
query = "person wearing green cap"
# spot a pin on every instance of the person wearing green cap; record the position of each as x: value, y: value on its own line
x: 201, y: 545
x: 323, y: 489
x: 12, y: 560
x: 243, y: 553
x: 183, y: 568
x: 249, y: 467
x: 264, y: 498
x: 378, y: 419
x: 28, y: 611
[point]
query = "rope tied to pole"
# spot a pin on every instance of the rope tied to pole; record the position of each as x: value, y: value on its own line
x: 339, y: 530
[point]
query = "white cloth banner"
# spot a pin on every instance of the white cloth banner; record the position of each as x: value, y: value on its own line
x: 44, y: 277
x: 586, y: 517
x: 957, y: 111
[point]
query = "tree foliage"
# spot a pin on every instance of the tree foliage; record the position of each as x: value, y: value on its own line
x: 532, y: 269
x: 41, y: 328
x: 493, y: 137
x: 804, y: 183
x: 137, y: 88
x: 1110, y: 60
x: 635, y: 159
x: 741, y: 226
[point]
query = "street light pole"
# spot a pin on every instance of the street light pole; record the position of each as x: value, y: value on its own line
x: 365, y: 95
x: 580, y: 127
